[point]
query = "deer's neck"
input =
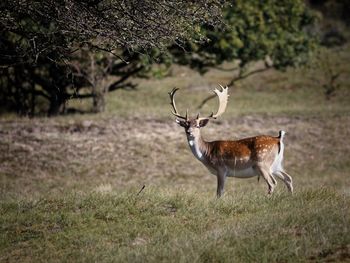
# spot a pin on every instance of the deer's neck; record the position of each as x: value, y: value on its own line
x: 199, y: 147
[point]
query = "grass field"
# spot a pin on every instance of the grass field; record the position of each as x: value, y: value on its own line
x: 69, y: 186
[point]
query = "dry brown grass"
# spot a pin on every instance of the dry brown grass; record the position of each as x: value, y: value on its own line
x: 42, y: 156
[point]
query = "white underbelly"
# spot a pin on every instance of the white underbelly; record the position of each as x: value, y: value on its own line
x: 244, y: 173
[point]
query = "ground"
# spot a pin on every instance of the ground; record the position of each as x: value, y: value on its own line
x: 70, y: 186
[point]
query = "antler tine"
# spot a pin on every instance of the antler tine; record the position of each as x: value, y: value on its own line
x: 223, y: 97
x: 172, y: 103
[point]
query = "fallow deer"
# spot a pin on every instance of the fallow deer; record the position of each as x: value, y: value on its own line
x: 255, y: 156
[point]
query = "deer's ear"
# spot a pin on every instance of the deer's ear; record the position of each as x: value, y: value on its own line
x: 204, y: 122
x: 180, y: 122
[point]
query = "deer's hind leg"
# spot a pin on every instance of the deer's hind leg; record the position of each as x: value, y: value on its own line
x: 269, y: 179
x: 286, y: 178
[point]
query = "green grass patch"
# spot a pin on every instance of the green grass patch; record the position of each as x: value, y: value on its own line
x: 176, y: 226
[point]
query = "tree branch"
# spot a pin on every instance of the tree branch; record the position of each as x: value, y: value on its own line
x: 231, y: 83
x: 115, y: 85
x: 108, y: 51
x: 240, y: 77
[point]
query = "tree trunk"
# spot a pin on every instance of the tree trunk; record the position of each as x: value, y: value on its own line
x: 99, y: 90
x: 99, y: 102
x: 56, y: 106
x: 32, y: 100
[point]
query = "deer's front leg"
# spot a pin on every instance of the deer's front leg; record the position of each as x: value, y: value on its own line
x: 221, y: 176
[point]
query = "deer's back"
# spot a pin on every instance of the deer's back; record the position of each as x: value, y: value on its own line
x: 254, y: 148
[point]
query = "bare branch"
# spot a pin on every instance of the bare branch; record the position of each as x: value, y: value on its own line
x: 232, y: 82
x: 116, y: 85
x: 241, y: 77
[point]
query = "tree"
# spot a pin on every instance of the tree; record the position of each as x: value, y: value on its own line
x: 326, y: 70
x: 50, y: 84
x: 272, y: 31
x: 42, y: 45
x: 277, y: 32
x: 103, y: 73
x: 37, y: 28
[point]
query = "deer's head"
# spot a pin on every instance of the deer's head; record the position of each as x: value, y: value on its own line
x: 193, y: 125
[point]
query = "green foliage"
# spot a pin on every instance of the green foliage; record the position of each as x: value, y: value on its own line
x: 256, y: 30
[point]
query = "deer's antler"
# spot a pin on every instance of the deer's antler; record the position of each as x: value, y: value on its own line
x: 172, y: 103
x: 223, y: 97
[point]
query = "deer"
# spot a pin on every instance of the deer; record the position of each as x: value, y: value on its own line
x: 260, y: 156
